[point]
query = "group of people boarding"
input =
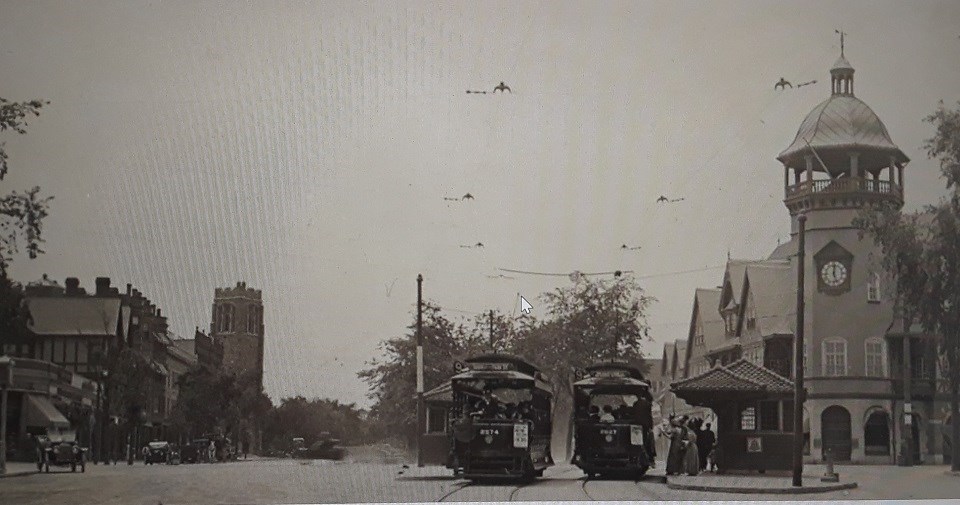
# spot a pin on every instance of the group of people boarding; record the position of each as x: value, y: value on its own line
x: 692, y: 446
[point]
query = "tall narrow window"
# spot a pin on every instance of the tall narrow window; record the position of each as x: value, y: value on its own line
x: 873, y: 288
x: 874, y: 362
x: 835, y: 358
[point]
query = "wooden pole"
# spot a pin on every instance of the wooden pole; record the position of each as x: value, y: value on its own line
x: 907, y: 405
x: 421, y: 411
x: 492, y: 347
x: 798, y: 347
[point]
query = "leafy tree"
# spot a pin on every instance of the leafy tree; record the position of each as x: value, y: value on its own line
x: 393, y: 378
x: 588, y: 321
x: 131, y: 385
x: 921, y: 249
x: 21, y: 214
x: 310, y: 419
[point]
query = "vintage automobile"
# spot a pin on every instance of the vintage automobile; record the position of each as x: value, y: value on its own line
x: 62, y: 452
x: 157, y: 452
x: 326, y: 447
x: 195, y: 451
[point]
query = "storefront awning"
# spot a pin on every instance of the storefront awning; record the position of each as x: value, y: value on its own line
x: 41, y: 413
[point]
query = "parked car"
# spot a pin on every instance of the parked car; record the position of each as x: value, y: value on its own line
x: 157, y: 452
x: 61, y: 453
x: 195, y: 451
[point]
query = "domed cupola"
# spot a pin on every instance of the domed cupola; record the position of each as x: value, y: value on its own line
x: 842, y: 155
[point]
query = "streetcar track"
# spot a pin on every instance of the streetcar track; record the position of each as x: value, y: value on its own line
x: 513, y: 492
x: 583, y: 487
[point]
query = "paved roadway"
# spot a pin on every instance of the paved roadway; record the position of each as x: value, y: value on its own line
x: 288, y: 481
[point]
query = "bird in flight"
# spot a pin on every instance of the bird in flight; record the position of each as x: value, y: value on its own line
x: 502, y: 88
x: 782, y: 84
x: 802, y: 84
x: 478, y: 245
x: 628, y: 248
x: 664, y: 199
x: 467, y: 196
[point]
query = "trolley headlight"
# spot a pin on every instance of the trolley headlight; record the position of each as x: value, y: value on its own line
x: 521, y: 436
x: 636, y: 435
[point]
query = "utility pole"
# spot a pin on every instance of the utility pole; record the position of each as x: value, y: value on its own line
x: 907, y: 399
x: 798, y: 348
x: 492, y: 347
x: 6, y: 379
x: 421, y: 411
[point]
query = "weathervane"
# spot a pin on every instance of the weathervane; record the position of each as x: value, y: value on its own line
x: 841, y: 39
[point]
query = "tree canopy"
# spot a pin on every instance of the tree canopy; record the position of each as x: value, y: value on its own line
x: 21, y: 213
x: 920, y: 249
x: 586, y: 321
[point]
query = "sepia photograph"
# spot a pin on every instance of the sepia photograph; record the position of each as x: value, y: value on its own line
x: 415, y: 251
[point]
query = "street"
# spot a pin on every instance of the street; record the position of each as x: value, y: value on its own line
x: 290, y: 481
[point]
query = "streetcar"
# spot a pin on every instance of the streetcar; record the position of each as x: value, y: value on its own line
x: 500, y: 419
x: 613, y: 421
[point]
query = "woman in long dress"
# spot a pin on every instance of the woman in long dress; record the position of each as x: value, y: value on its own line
x: 675, y: 455
x: 691, y: 456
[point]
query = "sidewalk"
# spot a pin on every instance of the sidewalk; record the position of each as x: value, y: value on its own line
x: 17, y: 469
x: 760, y: 484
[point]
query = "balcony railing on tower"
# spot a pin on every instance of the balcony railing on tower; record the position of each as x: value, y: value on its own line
x: 844, y: 185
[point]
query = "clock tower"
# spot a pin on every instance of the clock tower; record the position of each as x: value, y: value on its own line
x: 841, y: 160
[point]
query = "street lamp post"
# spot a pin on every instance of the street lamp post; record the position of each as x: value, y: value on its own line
x: 102, y: 452
x: 6, y: 378
x: 798, y: 347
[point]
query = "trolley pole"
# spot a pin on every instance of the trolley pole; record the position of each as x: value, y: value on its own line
x: 421, y: 411
x: 798, y: 359
x: 492, y: 346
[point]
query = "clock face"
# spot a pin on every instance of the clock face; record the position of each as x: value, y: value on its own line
x: 833, y: 274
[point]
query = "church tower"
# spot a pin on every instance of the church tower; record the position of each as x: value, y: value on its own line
x: 238, y: 322
x: 842, y: 160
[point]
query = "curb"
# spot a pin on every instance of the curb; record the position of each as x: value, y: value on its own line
x: 757, y: 490
x: 19, y: 474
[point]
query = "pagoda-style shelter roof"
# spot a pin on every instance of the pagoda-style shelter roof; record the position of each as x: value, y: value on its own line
x: 741, y: 378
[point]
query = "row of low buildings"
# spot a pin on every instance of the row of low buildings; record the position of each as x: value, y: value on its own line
x: 62, y: 365
x: 857, y: 353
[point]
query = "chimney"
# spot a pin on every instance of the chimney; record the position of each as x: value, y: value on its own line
x: 158, y: 312
x: 129, y: 287
x: 103, y: 286
x: 239, y: 284
x: 73, y: 286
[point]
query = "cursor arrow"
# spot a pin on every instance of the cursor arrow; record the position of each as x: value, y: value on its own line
x: 525, y: 306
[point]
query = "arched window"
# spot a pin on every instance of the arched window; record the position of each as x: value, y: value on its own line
x: 835, y: 357
x: 875, y: 357
x: 876, y: 433
x: 226, y: 319
x: 873, y: 287
x: 252, y: 319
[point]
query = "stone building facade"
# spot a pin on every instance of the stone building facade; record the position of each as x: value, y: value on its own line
x: 238, y: 323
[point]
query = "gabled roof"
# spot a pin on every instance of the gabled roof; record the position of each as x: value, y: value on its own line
x: 732, y: 287
x: 669, y: 352
x: 441, y: 393
x: 773, y: 291
x: 679, y: 358
x: 82, y: 315
x: 705, y: 313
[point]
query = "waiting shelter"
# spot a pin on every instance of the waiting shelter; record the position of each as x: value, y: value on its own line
x: 754, y: 408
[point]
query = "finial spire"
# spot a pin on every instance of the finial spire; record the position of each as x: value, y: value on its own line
x: 842, y: 33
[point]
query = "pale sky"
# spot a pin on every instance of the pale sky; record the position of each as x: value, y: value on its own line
x: 306, y: 147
